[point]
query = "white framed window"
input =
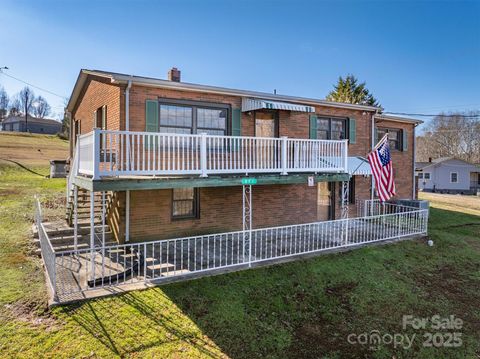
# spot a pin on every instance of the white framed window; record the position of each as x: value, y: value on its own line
x: 453, y: 177
x: 426, y: 175
x: 420, y: 175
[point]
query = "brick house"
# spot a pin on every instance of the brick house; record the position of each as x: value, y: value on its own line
x: 171, y: 180
x: 150, y: 199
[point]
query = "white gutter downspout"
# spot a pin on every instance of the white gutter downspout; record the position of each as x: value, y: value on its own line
x: 127, y: 106
x: 127, y: 128
x: 414, y: 191
x: 372, y: 187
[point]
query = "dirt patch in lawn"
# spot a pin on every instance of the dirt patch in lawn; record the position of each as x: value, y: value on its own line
x: 32, y: 313
x: 314, y: 339
x: 455, y: 286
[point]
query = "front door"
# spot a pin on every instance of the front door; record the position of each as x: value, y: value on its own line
x: 266, y: 124
x: 325, y: 201
x: 267, y: 157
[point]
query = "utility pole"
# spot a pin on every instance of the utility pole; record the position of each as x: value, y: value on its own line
x: 26, y: 115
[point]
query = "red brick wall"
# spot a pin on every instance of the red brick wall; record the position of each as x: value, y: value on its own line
x: 97, y: 93
x: 220, y: 211
x: 402, y: 160
x: 221, y: 206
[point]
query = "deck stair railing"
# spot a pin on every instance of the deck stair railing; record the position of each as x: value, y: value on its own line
x: 114, y: 153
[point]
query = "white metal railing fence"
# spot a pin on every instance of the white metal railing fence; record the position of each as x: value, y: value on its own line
x: 48, y: 253
x: 376, y: 207
x: 113, y: 153
x: 114, y: 265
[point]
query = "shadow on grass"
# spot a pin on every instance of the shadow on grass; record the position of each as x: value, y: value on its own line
x: 118, y: 323
x: 303, y: 309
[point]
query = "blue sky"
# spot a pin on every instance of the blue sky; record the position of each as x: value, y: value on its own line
x: 414, y: 56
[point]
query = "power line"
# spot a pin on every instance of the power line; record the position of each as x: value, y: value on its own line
x: 29, y: 84
x: 446, y: 108
x: 427, y: 115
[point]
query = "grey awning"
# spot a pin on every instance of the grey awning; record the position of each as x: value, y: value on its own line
x: 250, y: 104
x: 359, y: 166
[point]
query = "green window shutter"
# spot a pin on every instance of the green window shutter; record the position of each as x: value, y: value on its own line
x: 151, y: 119
x: 236, y: 128
x: 313, y: 126
x: 375, y: 134
x: 151, y: 116
x: 236, y: 122
x: 352, y: 130
x: 404, y: 140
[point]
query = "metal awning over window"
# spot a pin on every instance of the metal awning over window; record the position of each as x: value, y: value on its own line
x: 250, y: 104
x: 359, y: 166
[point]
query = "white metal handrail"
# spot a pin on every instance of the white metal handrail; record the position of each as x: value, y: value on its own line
x: 48, y: 253
x: 115, y: 153
x: 159, y: 260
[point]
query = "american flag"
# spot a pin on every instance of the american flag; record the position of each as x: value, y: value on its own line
x: 382, y: 169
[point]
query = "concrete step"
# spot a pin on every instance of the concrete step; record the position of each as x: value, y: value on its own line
x: 68, y: 247
x: 119, y: 250
x: 160, y: 267
x: 54, y: 230
x: 175, y: 272
x: 66, y: 240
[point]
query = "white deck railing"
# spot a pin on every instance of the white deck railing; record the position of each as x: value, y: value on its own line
x: 117, y: 153
x: 78, y: 271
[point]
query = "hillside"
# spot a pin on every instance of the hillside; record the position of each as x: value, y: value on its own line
x: 31, y: 149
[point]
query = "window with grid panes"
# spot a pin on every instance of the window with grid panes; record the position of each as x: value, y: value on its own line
x: 185, y: 203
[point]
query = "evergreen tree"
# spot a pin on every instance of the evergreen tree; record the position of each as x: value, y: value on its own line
x: 348, y: 90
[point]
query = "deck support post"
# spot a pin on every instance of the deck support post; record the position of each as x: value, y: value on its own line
x: 92, y: 233
x: 345, y: 200
x: 103, y: 219
x: 247, y: 222
x: 75, y: 217
x: 127, y: 215
x: 103, y: 233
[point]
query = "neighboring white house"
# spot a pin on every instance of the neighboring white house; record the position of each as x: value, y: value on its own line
x: 448, y: 175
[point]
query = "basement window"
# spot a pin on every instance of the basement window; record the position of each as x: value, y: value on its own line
x: 185, y: 203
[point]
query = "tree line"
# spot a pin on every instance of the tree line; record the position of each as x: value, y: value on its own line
x: 23, y: 102
x: 451, y: 135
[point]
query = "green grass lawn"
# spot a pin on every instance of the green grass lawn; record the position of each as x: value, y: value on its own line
x: 304, y: 309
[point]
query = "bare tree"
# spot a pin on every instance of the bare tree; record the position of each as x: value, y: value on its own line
x: 15, y: 106
x: 4, y: 100
x: 26, y: 98
x: 451, y: 135
x: 41, y: 108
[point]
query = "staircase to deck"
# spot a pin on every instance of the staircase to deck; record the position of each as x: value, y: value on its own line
x: 83, y: 202
x: 61, y: 232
